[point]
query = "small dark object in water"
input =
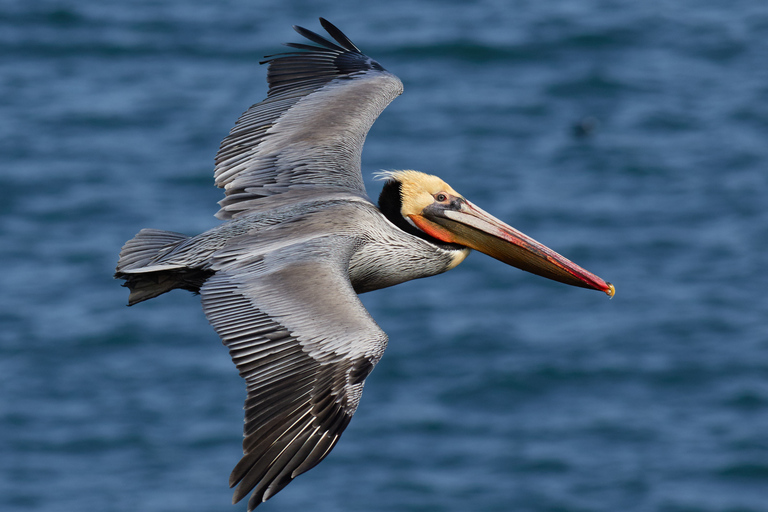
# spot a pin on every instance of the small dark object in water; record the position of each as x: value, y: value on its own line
x: 585, y: 127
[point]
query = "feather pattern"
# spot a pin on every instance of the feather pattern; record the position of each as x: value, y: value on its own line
x: 322, y: 100
x: 304, y: 360
x: 279, y: 280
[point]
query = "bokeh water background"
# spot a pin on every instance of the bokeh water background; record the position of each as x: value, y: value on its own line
x: 499, y: 391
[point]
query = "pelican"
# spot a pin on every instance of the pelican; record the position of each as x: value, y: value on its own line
x: 279, y: 279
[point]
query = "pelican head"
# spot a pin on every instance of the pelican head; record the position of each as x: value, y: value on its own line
x: 428, y: 207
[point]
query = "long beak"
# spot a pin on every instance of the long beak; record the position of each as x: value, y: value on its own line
x: 474, y: 228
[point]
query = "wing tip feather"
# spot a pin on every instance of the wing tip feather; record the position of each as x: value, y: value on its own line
x: 317, y: 38
x: 339, y: 36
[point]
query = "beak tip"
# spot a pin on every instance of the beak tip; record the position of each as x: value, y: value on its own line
x: 611, y: 290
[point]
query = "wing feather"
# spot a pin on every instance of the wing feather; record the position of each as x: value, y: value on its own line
x: 322, y: 100
x: 304, y: 344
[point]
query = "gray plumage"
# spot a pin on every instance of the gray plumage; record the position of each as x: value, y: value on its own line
x: 279, y: 280
x: 311, y: 128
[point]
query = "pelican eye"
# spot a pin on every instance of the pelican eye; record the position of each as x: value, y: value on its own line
x: 440, y: 197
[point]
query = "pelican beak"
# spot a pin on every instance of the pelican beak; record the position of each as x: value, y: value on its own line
x: 466, y: 224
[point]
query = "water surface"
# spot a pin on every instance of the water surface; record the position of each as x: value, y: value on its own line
x: 499, y: 390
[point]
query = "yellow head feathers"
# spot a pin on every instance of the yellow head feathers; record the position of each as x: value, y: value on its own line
x: 417, y: 189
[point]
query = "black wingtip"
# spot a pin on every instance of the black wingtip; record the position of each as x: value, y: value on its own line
x: 317, y: 38
x: 339, y: 36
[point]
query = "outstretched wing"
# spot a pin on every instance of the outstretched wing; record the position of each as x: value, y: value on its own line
x: 310, y: 130
x: 304, y: 344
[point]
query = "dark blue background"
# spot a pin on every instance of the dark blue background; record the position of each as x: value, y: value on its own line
x: 499, y: 390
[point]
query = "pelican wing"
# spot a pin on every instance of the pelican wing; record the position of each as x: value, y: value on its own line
x: 310, y: 130
x: 304, y: 344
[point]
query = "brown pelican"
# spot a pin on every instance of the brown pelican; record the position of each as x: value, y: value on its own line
x: 279, y: 280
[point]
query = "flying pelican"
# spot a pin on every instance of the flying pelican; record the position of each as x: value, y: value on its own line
x: 279, y: 280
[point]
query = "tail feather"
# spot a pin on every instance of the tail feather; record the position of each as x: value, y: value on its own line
x: 146, y: 275
x: 146, y: 248
x: 147, y: 286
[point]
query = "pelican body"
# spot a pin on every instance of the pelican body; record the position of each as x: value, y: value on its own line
x: 279, y: 279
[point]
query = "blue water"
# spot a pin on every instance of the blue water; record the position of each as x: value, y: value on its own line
x: 499, y: 391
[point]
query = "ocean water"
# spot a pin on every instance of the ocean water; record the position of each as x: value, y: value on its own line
x: 499, y: 391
